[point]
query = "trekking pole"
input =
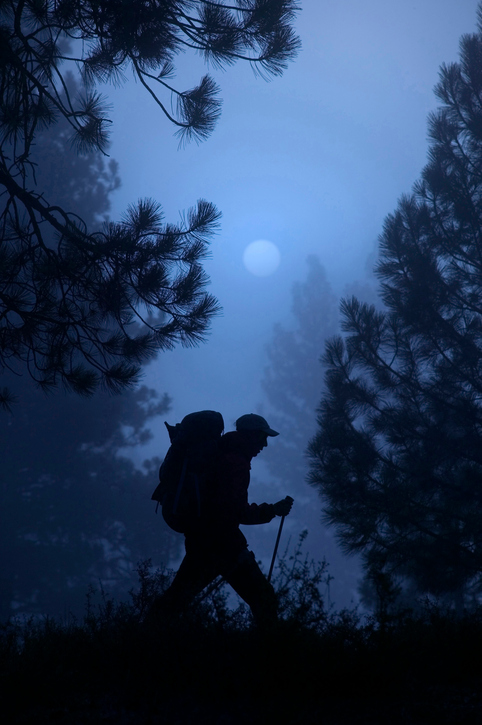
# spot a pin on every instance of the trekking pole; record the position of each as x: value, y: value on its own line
x: 277, y: 543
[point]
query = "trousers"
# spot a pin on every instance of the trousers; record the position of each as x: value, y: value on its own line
x: 209, y: 557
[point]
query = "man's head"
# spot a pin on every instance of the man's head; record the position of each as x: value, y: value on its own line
x: 256, y: 431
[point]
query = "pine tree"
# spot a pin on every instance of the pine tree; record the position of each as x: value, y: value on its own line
x: 398, y: 454
x: 82, y: 307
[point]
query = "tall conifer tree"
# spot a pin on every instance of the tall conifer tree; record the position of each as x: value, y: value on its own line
x: 398, y: 454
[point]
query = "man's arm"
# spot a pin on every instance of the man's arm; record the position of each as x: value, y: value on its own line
x: 263, y: 513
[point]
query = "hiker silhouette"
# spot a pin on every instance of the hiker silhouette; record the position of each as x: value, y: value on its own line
x: 214, y: 544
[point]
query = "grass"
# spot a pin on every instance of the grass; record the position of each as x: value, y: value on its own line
x: 210, y: 666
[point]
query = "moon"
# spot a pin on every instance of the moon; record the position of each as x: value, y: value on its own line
x: 261, y: 258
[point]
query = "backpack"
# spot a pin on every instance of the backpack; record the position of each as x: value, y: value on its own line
x: 188, y: 473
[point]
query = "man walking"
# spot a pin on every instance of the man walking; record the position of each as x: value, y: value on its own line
x: 215, y: 545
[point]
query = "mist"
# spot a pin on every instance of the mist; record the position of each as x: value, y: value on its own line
x: 240, y: 378
x: 310, y: 162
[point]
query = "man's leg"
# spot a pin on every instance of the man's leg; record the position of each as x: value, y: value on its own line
x: 197, y: 570
x: 250, y: 583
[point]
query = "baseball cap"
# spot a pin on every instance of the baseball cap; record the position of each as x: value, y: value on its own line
x: 251, y: 421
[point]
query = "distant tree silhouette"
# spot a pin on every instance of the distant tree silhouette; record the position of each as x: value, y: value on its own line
x: 293, y: 383
x: 81, y: 182
x: 73, y: 509
x: 398, y: 453
x: 293, y: 378
x: 68, y: 302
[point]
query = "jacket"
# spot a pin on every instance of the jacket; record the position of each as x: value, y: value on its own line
x: 230, y: 503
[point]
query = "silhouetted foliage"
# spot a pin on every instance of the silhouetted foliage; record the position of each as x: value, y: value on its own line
x: 398, y: 455
x: 74, y: 509
x: 85, y: 307
x: 207, y: 669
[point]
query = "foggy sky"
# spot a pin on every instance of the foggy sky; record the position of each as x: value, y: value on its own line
x: 312, y: 161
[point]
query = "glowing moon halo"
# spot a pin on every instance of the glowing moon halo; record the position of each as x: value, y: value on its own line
x: 261, y: 258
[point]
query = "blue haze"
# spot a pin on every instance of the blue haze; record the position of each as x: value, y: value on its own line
x: 312, y: 161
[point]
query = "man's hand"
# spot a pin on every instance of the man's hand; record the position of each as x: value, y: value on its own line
x: 283, y: 507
